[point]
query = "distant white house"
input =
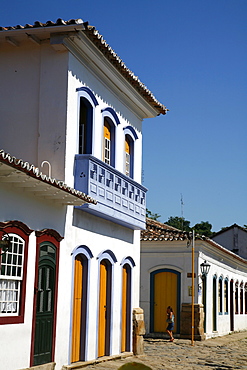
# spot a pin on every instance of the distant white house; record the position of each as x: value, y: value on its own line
x: 220, y: 297
x: 233, y: 238
x: 72, y: 202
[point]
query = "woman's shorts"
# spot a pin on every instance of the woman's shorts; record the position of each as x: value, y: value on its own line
x: 170, y: 326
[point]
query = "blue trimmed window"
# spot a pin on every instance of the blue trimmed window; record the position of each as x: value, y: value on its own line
x: 220, y: 296
x: 85, y: 127
x: 242, y: 297
x: 226, y: 296
x: 109, y: 142
x: 245, y: 297
x: 129, y: 156
x: 236, y: 298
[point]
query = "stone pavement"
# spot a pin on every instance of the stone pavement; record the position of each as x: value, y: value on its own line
x: 220, y: 353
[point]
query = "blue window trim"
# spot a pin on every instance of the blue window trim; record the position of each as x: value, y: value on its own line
x: 129, y: 130
x: 220, y: 293
x: 226, y: 281
x: 128, y: 260
x: 82, y: 249
x: 90, y: 93
x: 108, y: 112
x: 107, y: 254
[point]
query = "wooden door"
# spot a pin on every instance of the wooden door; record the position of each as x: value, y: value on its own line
x: 165, y: 293
x: 104, y: 309
x: 126, y: 308
x: 43, y: 339
x: 79, y: 309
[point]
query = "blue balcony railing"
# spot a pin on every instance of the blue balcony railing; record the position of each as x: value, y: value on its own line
x: 119, y: 198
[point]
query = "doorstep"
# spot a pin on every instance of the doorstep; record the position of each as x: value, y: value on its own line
x: 82, y: 364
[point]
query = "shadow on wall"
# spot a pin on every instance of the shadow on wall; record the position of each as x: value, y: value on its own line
x: 98, y: 225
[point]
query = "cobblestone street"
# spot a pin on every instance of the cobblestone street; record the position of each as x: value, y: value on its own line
x: 222, y: 353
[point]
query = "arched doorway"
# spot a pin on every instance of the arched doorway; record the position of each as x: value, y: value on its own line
x: 231, y: 306
x: 214, y: 307
x: 79, y: 308
x: 165, y: 291
x: 126, y: 308
x: 104, y: 316
x: 45, y: 294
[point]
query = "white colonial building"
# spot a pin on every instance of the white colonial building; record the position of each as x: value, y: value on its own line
x: 220, y: 297
x: 71, y: 113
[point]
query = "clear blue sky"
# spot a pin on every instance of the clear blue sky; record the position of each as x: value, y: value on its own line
x: 193, y: 56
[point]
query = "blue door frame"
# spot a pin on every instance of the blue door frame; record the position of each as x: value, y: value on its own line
x: 177, y: 312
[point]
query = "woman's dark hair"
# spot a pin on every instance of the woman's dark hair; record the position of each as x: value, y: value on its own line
x: 170, y: 308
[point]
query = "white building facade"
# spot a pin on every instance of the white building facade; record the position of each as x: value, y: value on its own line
x: 166, y: 279
x: 72, y: 109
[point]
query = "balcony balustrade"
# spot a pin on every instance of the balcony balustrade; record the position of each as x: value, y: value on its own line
x: 119, y: 198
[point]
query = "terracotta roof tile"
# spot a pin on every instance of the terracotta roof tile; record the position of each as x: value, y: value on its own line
x: 157, y: 231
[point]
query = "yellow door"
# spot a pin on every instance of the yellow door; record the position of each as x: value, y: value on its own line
x: 165, y: 294
x: 124, y: 309
x: 77, y: 307
x: 102, y: 310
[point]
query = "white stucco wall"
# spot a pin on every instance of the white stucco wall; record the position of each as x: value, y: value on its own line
x: 33, y: 111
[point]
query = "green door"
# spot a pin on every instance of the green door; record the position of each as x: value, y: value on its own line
x: 45, y: 305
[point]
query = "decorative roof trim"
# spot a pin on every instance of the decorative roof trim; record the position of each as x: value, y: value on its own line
x: 98, y: 40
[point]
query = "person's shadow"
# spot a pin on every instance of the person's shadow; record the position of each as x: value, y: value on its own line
x: 134, y: 366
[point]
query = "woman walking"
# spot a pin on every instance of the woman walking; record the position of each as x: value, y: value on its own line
x: 170, y: 321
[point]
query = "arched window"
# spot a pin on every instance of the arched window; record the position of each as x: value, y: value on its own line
x: 87, y: 103
x: 13, y: 272
x: 245, y: 297
x: 242, y: 297
x: 110, y: 123
x: 226, y: 296
x: 236, y: 297
x: 85, y: 127
x: 129, y: 156
x: 108, y: 143
x: 220, y: 296
x: 130, y: 137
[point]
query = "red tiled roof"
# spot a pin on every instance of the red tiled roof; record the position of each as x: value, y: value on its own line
x: 105, y: 49
x: 157, y: 231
